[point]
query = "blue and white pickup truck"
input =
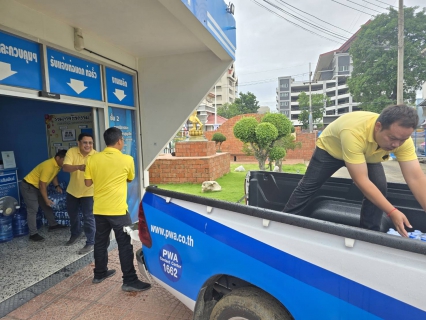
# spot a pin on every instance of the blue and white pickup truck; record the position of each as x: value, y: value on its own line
x: 229, y: 261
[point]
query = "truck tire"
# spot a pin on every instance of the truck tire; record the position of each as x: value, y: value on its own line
x: 249, y: 303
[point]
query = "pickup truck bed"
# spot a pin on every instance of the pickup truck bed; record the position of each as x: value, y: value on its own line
x: 214, y: 255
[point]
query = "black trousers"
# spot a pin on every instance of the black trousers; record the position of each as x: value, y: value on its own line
x: 104, y: 225
x: 321, y: 167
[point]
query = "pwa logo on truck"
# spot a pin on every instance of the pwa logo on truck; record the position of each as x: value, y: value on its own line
x: 170, y: 262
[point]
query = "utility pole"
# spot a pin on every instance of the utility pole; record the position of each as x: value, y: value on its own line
x: 310, y: 102
x: 400, y: 79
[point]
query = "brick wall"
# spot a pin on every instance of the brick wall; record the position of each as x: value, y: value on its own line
x: 234, y: 146
x: 195, y: 148
x: 168, y: 169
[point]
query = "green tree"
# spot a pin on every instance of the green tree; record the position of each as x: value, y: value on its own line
x: 261, y: 137
x: 228, y: 110
x: 319, y: 102
x: 247, y: 103
x: 288, y: 142
x: 375, y: 58
x: 219, y: 138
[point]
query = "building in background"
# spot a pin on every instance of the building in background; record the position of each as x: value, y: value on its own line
x: 224, y: 91
x: 331, y: 73
x: 263, y: 110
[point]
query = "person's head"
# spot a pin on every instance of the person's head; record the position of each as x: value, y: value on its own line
x: 59, y: 157
x: 114, y: 138
x: 394, y: 126
x: 85, y: 143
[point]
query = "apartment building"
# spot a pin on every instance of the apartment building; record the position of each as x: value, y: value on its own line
x: 331, y: 73
x: 224, y: 91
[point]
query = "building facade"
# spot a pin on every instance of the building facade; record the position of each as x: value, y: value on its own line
x: 331, y: 73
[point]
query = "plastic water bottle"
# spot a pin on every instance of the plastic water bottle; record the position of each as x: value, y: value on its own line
x: 20, y: 224
x: 393, y: 232
x: 423, y: 237
x: 6, y: 230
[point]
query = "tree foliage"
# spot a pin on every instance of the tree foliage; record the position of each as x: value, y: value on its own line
x: 259, y: 138
x: 319, y: 102
x: 219, y: 138
x: 375, y: 59
x: 246, y: 103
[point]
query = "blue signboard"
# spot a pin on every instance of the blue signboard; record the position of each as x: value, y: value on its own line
x: 119, y: 87
x: 219, y: 20
x: 73, y: 76
x: 9, y: 192
x: 125, y: 121
x: 20, y: 62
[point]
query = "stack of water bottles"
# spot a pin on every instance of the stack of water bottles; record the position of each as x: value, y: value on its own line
x: 59, y: 204
x: 416, y: 234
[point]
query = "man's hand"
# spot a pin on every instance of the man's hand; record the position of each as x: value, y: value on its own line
x: 59, y: 189
x: 82, y: 167
x: 399, y: 220
x: 50, y: 203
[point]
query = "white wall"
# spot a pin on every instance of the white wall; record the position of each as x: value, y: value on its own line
x: 170, y: 89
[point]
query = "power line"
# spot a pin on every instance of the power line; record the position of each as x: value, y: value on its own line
x: 363, y: 6
x: 352, y: 8
x: 314, y: 16
x: 375, y: 5
x: 280, y: 16
x: 331, y: 33
x: 272, y: 69
x: 386, y: 3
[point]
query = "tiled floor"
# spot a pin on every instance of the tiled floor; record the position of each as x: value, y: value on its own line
x: 77, y: 298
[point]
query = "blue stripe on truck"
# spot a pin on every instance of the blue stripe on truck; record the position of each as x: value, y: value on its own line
x: 307, y: 290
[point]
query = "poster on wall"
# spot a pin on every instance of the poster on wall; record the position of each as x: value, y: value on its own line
x: 125, y: 121
x: 63, y: 129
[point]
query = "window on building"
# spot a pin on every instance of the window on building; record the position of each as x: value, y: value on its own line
x: 230, y: 83
x: 284, y: 104
x: 231, y: 100
x: 343, y: 68
x: 284, y: 95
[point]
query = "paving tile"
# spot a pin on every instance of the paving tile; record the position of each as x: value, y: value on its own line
x: 181, y: 312
x: 143, y: 315
x: 151, y: 300
x: 100, y: 311
x: 32, y: 306
x: 71, y: 282
x: 61, y: 309
x: 86, y: 290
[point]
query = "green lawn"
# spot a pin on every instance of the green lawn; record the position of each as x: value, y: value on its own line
x: 232, y: 183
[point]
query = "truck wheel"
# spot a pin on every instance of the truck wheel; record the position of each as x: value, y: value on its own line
x: 249, y: 303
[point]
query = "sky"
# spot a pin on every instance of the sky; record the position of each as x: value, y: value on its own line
x: 269, y: 47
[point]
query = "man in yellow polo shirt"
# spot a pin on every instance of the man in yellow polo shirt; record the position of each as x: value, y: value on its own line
x: 78, y: 195
x: 34, y: 191
x: 361, y: 141
x: 109, y: 171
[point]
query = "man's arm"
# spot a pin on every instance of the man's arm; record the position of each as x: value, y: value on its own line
x: 359, y: 174
x: 56, y: 184
x: 72, y: 168
x: 416, y: 180
x: 88, y: 182
x: 43, y: 190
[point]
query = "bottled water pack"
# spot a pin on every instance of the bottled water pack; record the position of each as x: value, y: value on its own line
x: 416, y: 234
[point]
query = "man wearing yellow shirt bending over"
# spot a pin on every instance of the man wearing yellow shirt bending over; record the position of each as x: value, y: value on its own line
x: 34, y: 191
x: 360, y: 141
x: 109, y: 171
x: 78, y: 195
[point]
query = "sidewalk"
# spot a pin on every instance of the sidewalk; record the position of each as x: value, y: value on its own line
x: 77, y: 298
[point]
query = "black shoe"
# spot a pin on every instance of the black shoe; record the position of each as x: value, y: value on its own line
x: 86, y: 249
x: 36, y: 237
x: 136, y: 285
x: 72, y: 240
x: 57, y: 227
x: 108, y: 274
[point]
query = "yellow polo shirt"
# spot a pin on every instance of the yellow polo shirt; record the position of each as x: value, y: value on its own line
x: 45, y: 172
x: 109, y: 171
x: 76, y: 187
x: 351, y: 138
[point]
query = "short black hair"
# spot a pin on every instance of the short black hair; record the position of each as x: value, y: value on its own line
x: 112, y: 135
x: 402, y: 114
x: 61, y: 153
x: 84, y: 134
